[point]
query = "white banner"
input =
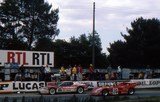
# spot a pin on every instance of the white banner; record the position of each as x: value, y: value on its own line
x: 27, y: 58
x: 33, y: 86
x: 147, y: 83
x: 28, y: 86
x: 6, y: 87
x: 141, y: 83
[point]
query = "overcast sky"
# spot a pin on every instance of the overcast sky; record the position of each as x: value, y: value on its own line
x: 112, y: 17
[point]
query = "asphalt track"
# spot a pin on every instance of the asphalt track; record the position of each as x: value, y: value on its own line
x: 138, y: 93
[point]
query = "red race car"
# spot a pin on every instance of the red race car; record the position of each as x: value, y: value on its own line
x: 64, y: 87
x: 115, y: 88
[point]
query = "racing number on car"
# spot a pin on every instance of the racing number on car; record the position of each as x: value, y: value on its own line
x: 59, y: 89
x: 123, y: 89
x: 115, y: 91
x: 69, y: 89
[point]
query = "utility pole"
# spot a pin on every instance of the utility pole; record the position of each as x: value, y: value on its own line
x: 93, y: 37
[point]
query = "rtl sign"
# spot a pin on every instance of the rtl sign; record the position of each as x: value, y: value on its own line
x: 27, y: 58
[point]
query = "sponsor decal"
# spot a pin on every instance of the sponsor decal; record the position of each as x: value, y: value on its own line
x: 115, y: 91
x: 90, y: 84
x: 102, y: 83
x: 59, y: 89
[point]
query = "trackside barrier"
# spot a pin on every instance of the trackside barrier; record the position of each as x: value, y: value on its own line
x: 141, y: 83
x: 147, y: 83
x: 33, y: 86
x: 6, y: 87
x: 26, y: 86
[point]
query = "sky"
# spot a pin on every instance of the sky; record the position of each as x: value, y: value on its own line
x: 112, y: 17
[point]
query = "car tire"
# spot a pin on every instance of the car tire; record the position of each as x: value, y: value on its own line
x: 80, y: 90
x: 105, y: 92
x: 131, y: 91
x: 52, y: 91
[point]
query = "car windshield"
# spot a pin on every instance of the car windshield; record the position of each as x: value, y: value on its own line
x: 111, y: 84
x: 66, y: 84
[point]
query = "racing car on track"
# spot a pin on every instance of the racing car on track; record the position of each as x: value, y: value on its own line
x: 114, y: 88
x: 64, y: 87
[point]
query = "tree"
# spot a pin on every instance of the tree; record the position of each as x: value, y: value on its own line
x: 29, y: 21
x: 44, y: 44
x: 9, y: 18
x: 141, y: 45
x: 117, y: 54
x: 61, y: 53
x: 78, y: 51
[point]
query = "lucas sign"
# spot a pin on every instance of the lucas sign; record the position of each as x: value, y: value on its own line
x: 27, y: 58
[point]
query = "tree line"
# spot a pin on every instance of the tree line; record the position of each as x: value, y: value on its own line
x: 141, y: 46
x: 23, y: 22
x: 32, y: 25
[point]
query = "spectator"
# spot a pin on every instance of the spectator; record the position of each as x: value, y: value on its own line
x: 62, y: 73
x: 47, y: 72
x: 153, y: 74
x: 41, y: 74
x: 18, y: 76
x: 109, y: 70
x: 147, y: 73
x: 97, y: 75
x: 27, y: 76
x: 119, y: 72
x: 91, y: 72
x: 79, y: 73
x: 113, y: 76
x: 68, y: 72
x: 47, y: 69
x: 74, y: 73
x: 79, y: 69
x: 62, y: 70
x: 141, y: 75
x: 34, y: 76
x: 22, y: 71
x: 107, y: 76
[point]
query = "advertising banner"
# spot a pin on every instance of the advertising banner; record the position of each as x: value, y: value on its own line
x: 147, y: 83
x: 33, y: 86
x: 6, y: 87
x: 28, y: 86
x: 27, y: 58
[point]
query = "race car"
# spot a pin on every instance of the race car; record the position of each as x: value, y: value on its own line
x: 115, y: 88
x: 64, y: 87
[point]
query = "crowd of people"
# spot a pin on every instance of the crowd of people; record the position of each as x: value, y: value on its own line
x: 75, y: 73
x: 23, y: 74
x: 45, y: 74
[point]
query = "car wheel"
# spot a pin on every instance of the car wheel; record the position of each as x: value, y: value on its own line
x: 131, y: 91
x: 105, y: 92
x: 80, y: 90
x: 52, y: 91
